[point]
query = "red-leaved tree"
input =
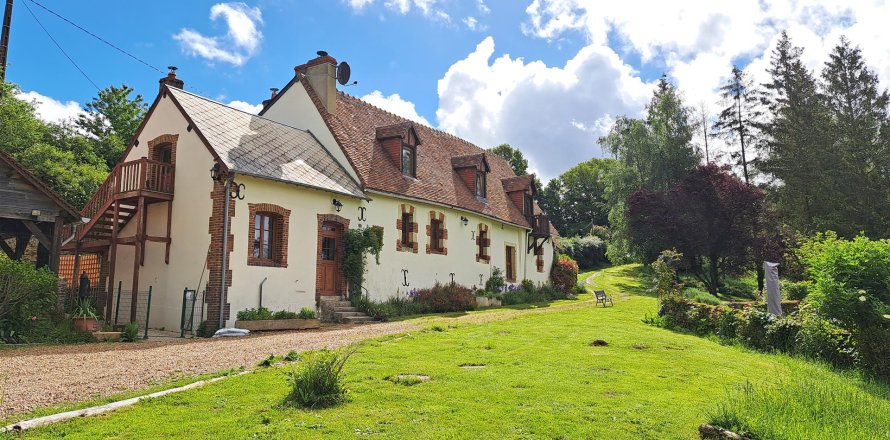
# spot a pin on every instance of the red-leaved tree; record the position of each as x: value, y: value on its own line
x: 709, y: 217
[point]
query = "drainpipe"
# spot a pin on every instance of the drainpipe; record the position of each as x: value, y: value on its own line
x: 225, y: 250
x: 261, y: 290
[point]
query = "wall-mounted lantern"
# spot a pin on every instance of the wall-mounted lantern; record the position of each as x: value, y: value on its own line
x: 214, y: 172
x: 464, y: 220
x: 337, y: 205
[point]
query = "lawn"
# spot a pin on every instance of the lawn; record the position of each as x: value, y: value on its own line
x: 535, y: 374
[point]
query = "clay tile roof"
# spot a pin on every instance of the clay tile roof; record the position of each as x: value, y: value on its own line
x: 518, y: 183
x: 253, y: 145
x: 354, y: 126
x: 470, y: 160
x: 395, y: 130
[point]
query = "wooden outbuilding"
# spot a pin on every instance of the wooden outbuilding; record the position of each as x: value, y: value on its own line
x: 29, y: 208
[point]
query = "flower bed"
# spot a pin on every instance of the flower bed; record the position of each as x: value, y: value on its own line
x: 263, y: 319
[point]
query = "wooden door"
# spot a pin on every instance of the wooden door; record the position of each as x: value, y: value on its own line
x: 329, y: 273
x: 511, y: 264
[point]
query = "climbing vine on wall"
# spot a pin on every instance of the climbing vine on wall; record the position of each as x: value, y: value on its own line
x: 359, y: 243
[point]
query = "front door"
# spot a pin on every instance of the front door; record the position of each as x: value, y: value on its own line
x: 329, y: 272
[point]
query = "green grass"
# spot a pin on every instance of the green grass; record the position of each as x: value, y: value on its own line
x: 527, y: 373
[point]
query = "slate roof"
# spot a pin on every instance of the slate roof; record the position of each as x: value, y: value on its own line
x: 253, y: 145
x: 355, y: 127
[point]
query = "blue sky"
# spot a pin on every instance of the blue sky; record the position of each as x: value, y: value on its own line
x: 547, y: 76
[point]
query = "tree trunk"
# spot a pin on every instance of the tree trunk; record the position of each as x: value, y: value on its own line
x: 713, y: 276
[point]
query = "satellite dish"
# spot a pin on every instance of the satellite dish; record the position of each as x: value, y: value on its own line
x: 343, y: 73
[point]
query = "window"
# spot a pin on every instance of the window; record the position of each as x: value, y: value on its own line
x: 409, y: 159
x: 480, y: 184
x: 165, y: 153
x: 328, y: 248
x: 263, y: 236
x: 407, y: 220
x: 268, y: 234
x: 511, y: 264
x: 528, y: 208
x: 436, y: 235
x: 482, y: 244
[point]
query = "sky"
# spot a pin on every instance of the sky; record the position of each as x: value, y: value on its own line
x: 546, y: 76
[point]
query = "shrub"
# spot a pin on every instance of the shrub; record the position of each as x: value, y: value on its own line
x: 588, y: 251
x: 306, y: 313
x: 665, y: 267
x: 449, y: 297
x: 700, y: 295
x: 564, y: 274
x: 383, y: 311
x: 204, y: 330
x: 728, y: 324
x: 781, y: 334
x: 257, y: 314
x: 358, y: 243
x: 752, y: 330
x: 285, y: 314
x: 851, y: 287
x: 796, y: 290
x: 317, y: 381
x: 130, y: 333
x: 26, y: 295
x: 496, y: 281
x: 821, y: 339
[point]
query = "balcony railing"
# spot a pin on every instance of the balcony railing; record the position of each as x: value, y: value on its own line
x: 540, y: 225
x: 137, y: 175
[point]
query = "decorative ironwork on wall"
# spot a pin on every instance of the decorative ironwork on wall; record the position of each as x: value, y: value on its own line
x: 405, y: 282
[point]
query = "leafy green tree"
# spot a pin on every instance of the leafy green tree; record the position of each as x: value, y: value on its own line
x: 59, y: 154
x: 739, y: 119
x: 578, y: 196
x: 652, y: 154
x: 112, y: 118
x: 514, y: 157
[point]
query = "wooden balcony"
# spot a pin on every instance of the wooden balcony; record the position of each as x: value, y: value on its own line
x: 540, y: 224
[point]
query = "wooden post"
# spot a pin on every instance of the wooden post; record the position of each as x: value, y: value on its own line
x: 169, y: 221
x: 56, y: 245
x: 113, y: 257
x: 140, y: 244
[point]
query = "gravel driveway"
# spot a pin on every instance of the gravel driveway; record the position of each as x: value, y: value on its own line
x: 41, y: 376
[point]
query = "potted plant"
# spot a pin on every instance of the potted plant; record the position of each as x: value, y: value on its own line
x: 84, y: 316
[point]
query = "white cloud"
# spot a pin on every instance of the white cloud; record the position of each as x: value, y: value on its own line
x: 241, y: 41
x: 553, y: 114
x: 246, y: 106
x: 482, y: 7
x: 471, y: 23
x: 49, y: 109
x: 395, y: 104
x: 426, y: 7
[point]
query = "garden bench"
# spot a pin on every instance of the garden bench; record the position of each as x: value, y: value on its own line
x: 602, y: 298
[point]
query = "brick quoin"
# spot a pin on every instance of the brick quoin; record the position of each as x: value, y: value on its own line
x: 214, y: 258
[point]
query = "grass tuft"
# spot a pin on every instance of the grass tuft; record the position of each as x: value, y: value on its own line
x: 317, y: 382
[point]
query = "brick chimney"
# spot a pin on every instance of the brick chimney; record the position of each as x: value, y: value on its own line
x: 321, y: 73
x: 171, y: 80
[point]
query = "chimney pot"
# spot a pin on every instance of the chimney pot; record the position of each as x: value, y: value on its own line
x: 322, y: 53
x: 274, y: 92
x: 171, y: 80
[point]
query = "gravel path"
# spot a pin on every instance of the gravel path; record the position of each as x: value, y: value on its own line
x: 40, y: 376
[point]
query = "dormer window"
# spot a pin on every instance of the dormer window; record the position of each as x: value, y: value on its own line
x: 409, y: 160
x: 480, y: 184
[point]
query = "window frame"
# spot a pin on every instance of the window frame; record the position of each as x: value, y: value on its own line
x: 480, y: 246
x: 480, y: 184
x: 510, y: 263
x: 407, y: 221
x: 412, y: 153
x: 437, y: 232
x: 264, y: 233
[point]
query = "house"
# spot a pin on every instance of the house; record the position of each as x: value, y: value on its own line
x: 283, y: 186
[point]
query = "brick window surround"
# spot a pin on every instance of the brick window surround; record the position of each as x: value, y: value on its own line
x: 483, y: 242
x: 441, y: 246
x: 410, y: 228
x: 163, y: 140
x: 279, y: 228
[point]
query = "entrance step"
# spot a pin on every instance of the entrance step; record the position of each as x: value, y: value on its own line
x: 357, y: 319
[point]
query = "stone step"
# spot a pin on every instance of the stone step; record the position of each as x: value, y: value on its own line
x: 345, y: 309
x: 357, y: 319
x: 345, y: 314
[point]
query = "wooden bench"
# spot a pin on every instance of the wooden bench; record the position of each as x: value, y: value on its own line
x: 602, y: 298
